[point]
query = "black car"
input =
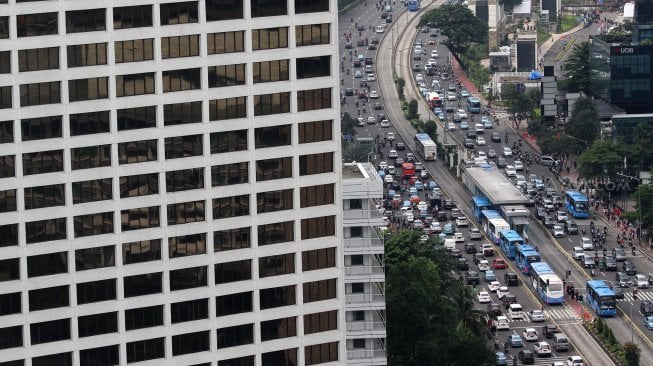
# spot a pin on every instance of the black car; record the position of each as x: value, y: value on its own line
x: 494, y: 309
x: 619, y: 294
x: 448, y: 204
x: 571, y: 228
x: 470, y: 248
x: 511, y: 279
x: 629, y: 268
x: 549, y: 330
x: 478, y: 257
x: 472, y: 278
x: 371, y: 47
x: 646, y: 307
x: 442, y: 216
x: 469, y: 143
x: 361, y: 27
x: 456, y: 253
x: 463, y: 264
x: 509, y: 299
x: 526, y: 356
x: 496, y: 137
x: 610, y: 263
x: 400, y: 146
x: 349, y: 91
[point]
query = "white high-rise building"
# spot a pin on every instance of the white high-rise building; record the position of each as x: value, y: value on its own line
x: 170, y: 183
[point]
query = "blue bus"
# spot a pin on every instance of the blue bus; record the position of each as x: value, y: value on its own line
x: 413, y: 5
x: 473, y: 105
x: 493, y: 224
x: 601, y: 298
x: 480, y: 204
x: 510, y: 241
x: 547, y: 284
x: 577, y: 204
x: 524, y: 256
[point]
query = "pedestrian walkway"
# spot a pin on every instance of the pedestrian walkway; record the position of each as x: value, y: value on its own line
x: 641, y: 295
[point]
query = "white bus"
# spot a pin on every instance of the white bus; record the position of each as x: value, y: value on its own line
x: 425, y: 147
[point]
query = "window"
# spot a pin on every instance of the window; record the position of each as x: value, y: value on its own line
x: 313, y: 67
x: 183, y: 180
x: 228, y: 141
x: 183, y: 146
x: 182, y: 113
x: 279, y: 232
x: 180, y: 46
x: 144, y: 350
x: 47, y: 264
x: 270, y: 38
x: 224, y: 42
x: 145, y: 284
x: 272, y: 136
x: 8, y: 200
x: 96, y: 291
x: 178, y: 13
x: 89, y: 157
x: 187, y: 311
x: 62, y: 359
x: 318, y: 259
x: 186, y: 278
x: 233, y: 303
x: 287, y: 357
x: 40, y: 93
x: 87, y: 20
x: 10, y: 303
x: 89, y: 123
x: 31, y: 25
x: 278, y: 328
x: 228, y: 174
x: 186, y: 212
x: 320, y: 322
x: 132, y: 17
x: 234, y: 206
x: 98, y: 257
x: 5, y: 97
x: 11, y: 337
x: 135, y: 84
x: 139, y: 185
x: 228, y: 108
x: 318, y: 227
x: 6, y: 132
x: 268, y: 71
x: 137, y: 151
x: 311, y: 6
x: 233, y: 271
x: 22, y: 362
x: 87, y: 54
x: 223, y: 10
x: 8, y: 235
x: 180, y: 80
x: 48, y: 298
x: 40, y: 128
x: 7, y: 165
x: 93, y: 224
x: 38, y: 59
x: 232, y: 239
x: 139, y: 218
x: 266, y: 8
x: 277, y: 296
x: 190, y: 343
x: 45, y: 196
x: 186, y: 245
x: 88, y: 89
x: 356, y: 232
x: 45, y: 230
x: 266, y: 104
x: 321, y: 353
x: 107, y: 355
x: 4, y: 27
x: 134, y: 50
x: 316, y: 195
x: 316, y: 163
x: 51, y: 331
x: 308, y: 100
x: 9, y: 269
x: 150, y: 316
x: 312, y: 34
x: 240, y: 361
x: 320, y: 290
x: 276, y: 265
x: 136, y: 118
x: 226, y: 75
x: 141, y: 251
x: 92, y: 190
x: 273, y: 201
x: 235, y: 336
x: 5, y: 60
x: 96, y: 324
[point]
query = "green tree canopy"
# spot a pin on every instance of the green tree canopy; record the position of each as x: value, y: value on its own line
x: 517, y: 102
x: 561, y: 144
x: 600, y: 160
x: 584, y: 122
x: 348, y: 125
x: 459, y: 24
x: 577, y: 68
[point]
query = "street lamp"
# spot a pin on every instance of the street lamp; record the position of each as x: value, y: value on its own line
x: 368, y: 155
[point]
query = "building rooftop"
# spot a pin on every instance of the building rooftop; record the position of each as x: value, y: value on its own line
x: 494, y: 185
x: 350, y: 171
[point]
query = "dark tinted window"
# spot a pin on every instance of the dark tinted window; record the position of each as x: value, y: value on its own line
x: 189, y: 310
x: 145, y: 284
x: 178, y: 13
x: 137, y: 151
x: 8, y: 200
x: 279, y: 232
x: 8, y: 235
x: 277, y: 296
x: 107, y: 355
x: 93, y: 224
x: 139, y: 185
x: 88, y: 89
x: 190, y: 343
x: 91, y: 325
x: 10, y: 303
x: 5, y: 62
x: 47, y: 264
x: 228, y: 108
x: 135, y: 50
x: 87, y: 54
x: 228, y: 141
x: 6, y: 132
x: 235, y: 336
x: 89, y: 157
x: 145, y: 350
x: 87, y: 20
x: 266, y: 8
x: 92, y: 190
x: 9, y: 269
x: 7, y: 166
x: 48, y: 298
x: 136, y: 118
x: 38, y: 59
x: 45, y: 196
x: 62, y: 359
x: 272, y: 136
x: 181, y: 80
x: 42, y: 162
x: 89, y: 123
x: 182, y: 113
x: 132, y: 17
x: 96, y: 291
x: 135, y: 84
x: 224, y: 175
x: 141, y: 251
x: 40, y: 24
x: 278, y: 328
x: 186, y: 245
x: 311, y: 6
x: 40, y: 128
x: 287, y: 357
x: 51, y: 331
x: 146, y: 317
x: 232, y: 239
x: 183, y: 180
x: 4, y: 27
x: 223, y: 9
x: 313, y: 67
x: 140, y: 218
x: 45, y: 230
x: 185, y: 278
x: 276, y: 103
x: 233, y: 303
x: 183, y: 146
x: 98, y: 257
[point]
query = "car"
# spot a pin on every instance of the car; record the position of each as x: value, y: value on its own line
x: 502, y: 323
x: 361, y: 121
x: 518, y: 165
x: 464, y: 125
x: 629, y: 268
x: 487, y: 250
x: 648, y: 322
x: 435, y: 227
x: 501, y: 163
x: 456, y: 253
x: 641, y: 281
x: 374, y: 94
x: 480, y: 141
x: 646, y: 307
x: 451, y: 96
x: 619, y: 254
x: 493, y: 286
x: 571, y: 227
x: 479, y: 129
x: 530, y: 334
x: 622, y: 279
x: 458, y: 237
x: 378, y: 106
x: 526, y: 356
x: 540, y: 212
x: 549, y: 330
x: 548, y: 205
x: 510, y: 170
x: 610, y: 263
x: 575, y: 361
x: 472, y: 278
x: 586, y: 243
x: 448, y: 228
x: 463, y: 264
x: 388, y: 179
x: 509, y: 299
x: 371, y: 47
x: 385, y: 123
x: 499, y: 263
x: 371, y: 77
x: 484, y: 297
x: 514, y: 341
x: 393, y: 154
x: 358, y: 74
x: 561, y: 216
x: 542, y: 349
x: 558, y: 231
x: 536, y: 316
x: 475, y: 234
x: 420, y: 187
x: 539, y: 184
x: 506, y: 151
x: 451, y: 126
x: 494, y: 309
x: 496, y: 137
x: 486, y: 122
x: 399, y: 162
x: 461, y: 221
x: 462, y: 113
x: 501, y: 359
x: 489, y: 275
x: 390, y: 136
x: 469, y: 143
x: 491, y: 153
x: 548, y: 221
x: 588, y: 261
x: 371, y: 120
x: 383, y: 165
x: 502, y: 291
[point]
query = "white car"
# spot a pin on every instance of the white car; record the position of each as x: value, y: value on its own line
x: 361, y: 121
x: 586, y: 243
x: 537, y: 316
x: 530, y: 334
x: 461, y: 113
x: 506, y: 151
x: 480, y: 141
x: 578, y: 253
x: 458, y: 237
x: 484, y: 297
x: 542, y: 349
x: 371, y: 120
x: 558, y: 231
x: 518, y: 165
x: 493, y: 286
x: 435, y: 227
x: 561, y: 216
x: 575, y: 361
x: 432, y: 62
x: 419, y: 78
x: 483, y: 265
x: 385, y: 123
x: 641, y: 281
x: 383, y: 165
x: 390, y: 136
x: 481, y: 154
x: 371, y: 77
x: 374, y: 94
x: 502, y: 291
x: 510, y: 170
x: 502, y: 323
x: 451, y: 126
x: 462, y: 221
x: 388, y: 178
x: 434, y: 54
x: 451, y: 96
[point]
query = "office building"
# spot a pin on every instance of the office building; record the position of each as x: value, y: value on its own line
x: 170, y: 183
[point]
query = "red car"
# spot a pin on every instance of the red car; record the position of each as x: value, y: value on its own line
x: 499, y: 263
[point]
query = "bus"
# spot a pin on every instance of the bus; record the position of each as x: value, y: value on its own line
x: 407, y: 170
x: 524, y: 256
x: 473, y: 105
x: 413, y: 5
x: 480, y: 204
x: 601, y: 298
x: 510, y: 242
x: 435, y: 100
x: 547, y: 284
x: 493, y: 224
x: 425, y: 147
x: 577, y: 204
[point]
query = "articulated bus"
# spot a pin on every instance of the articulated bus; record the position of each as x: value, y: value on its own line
x: 601, y: 298
x: 413, y: 5
x: 493, y: 224
x: 510, y: 241
x: 480, y: 204
x: 577, y: 204
x: 547, y: 284
x: 524, y: 256
x: 473, y: 105
x: 425, y: 147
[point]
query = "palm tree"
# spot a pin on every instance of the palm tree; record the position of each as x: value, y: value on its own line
x: 467, y: 316
x: 642, y: 135
x: 577, y: 68
x: 355, y: 152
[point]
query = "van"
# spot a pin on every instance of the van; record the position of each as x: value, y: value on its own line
x: 546, y: 160
x: 511, y: 279
x: 417, y: 55
x: 515, y: 311
x: 560, y: 342
x: 449, y: 244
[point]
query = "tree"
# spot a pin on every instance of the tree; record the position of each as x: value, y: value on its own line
x: 577, y: 68
x: 601, y: 159
x: 412, y: 110
x: 584, y: 122
x: 539, y: 129
x: 631, y: 354
x: 459, y: 24
x: 431, y: 129
x: 348, y: 125
x: 518, y: 103
x: 644, y: 202
x: 354, y: 151
x: 561, y: 144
